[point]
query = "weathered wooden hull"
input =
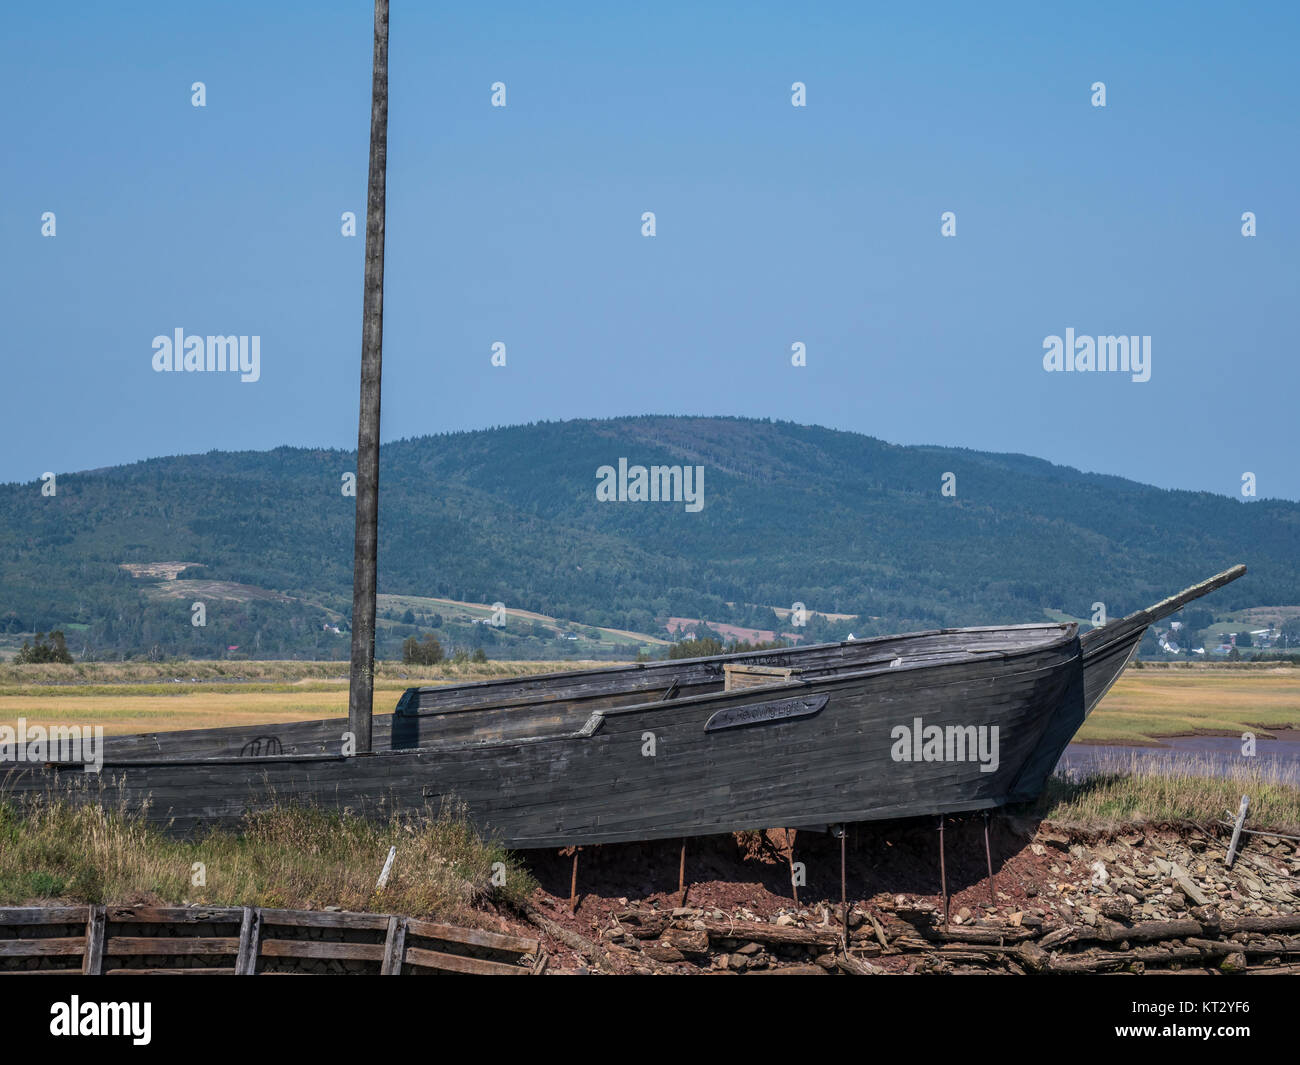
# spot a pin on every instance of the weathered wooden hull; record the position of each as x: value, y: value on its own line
x: 952, y: 720
x: 658, y: 769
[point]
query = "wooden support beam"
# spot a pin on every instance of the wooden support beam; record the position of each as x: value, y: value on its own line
x: 988, y: 857
x: 681, y: 877
x: 794, y: 883
x: 842, y: 832
x: 943, y: 874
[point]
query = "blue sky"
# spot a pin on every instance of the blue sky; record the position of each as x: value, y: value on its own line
x: 775, y: 224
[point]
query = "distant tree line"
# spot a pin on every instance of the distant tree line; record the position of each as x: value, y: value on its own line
x: 841, y: 522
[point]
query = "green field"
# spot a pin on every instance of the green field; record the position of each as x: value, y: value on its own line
x: 126, y: 697
x: 1146, y: 704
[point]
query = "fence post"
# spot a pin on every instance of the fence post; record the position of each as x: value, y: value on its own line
x: 394, y: 947
x: 250, y: 935
x: 92, y: 960
x: 388, y: 868
x: 1236, y: 831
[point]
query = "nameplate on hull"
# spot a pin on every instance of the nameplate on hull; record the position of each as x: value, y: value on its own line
x: 762, y: 713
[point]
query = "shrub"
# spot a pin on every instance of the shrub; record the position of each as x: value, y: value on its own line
x: 54, y: 651
x: 426, y: 652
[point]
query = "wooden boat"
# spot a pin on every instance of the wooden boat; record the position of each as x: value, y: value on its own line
x: 924, y: 723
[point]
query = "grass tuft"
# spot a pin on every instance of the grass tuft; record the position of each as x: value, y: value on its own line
x: 292, y: 856
x: 1132, y: 789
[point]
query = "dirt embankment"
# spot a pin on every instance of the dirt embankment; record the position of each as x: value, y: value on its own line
x: 1063, y: 899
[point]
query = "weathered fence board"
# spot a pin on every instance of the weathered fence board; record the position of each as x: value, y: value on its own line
x: 394, y: 946
x: 93, y: 959
x: 175, y: 915
x: 473, y: 937
x: 458, y: 963
x: 118, y: 946
x: 173, y: 937
x: 38, y: 915
x: 325, y: 919
x: 35, y: 948
x: 318, y: 948
x: 250, y: 932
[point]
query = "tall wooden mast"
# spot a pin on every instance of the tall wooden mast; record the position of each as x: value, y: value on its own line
x: 362, y: 678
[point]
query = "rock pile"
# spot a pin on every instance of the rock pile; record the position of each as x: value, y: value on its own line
x: 1138, y: 900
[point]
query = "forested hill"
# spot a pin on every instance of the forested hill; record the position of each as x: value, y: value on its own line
x: 840, y: 522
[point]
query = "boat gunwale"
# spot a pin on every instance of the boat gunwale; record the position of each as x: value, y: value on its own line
x: 402, y: 711
x: 673, y: 663
x: 764, y: 693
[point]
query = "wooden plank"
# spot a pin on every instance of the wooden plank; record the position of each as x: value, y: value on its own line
x: 118, y: 946
x: 175, y: 915
x: 456, y: 963
x: 394, y: 946
x: 92, y: 961
x: 317, y: 948
x: 474, y: 937
x: 194, y: 971
x: 740, y: 676
x: 29, y: 915
x: 41, y: 948
x: 250, y: 932
x: 325, y: 919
